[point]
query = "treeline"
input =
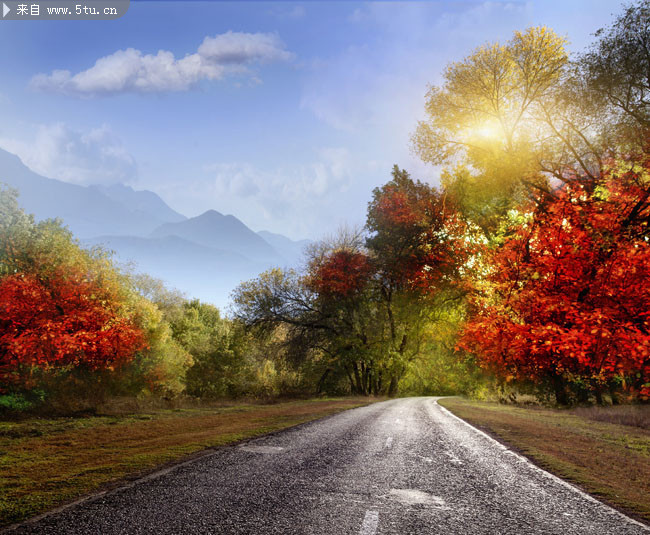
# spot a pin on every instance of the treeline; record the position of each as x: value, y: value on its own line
x: 76, y: 331
x: 526, y: 271
x: 530, y: 263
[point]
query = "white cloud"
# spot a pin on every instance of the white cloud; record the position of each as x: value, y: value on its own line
x: 243, y: 48
x: 131, y: 71
x: 282, y: 187
x: 298, y: 200
x: 96, y: 156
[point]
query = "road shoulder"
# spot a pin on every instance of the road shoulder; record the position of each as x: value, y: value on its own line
x: 610, y: 462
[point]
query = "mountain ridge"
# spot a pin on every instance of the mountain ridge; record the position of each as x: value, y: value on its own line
x: 219, y: 231
x: 86, y: 211
x: 140, y: 200
x: 205, y: 256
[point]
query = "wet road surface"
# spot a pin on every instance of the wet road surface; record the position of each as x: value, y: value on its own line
x: 399, y: 467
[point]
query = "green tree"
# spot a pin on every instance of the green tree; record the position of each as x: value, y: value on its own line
x: 418, y: 246
x: 335, y: 323
x: 616, y: 76
x: 366, y: 300
x: 217, y: 348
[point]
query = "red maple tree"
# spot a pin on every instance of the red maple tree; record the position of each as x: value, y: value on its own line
x: 567, y: 296
x: 67, y: 319
x: 342, y: 273
x: 418, y: 238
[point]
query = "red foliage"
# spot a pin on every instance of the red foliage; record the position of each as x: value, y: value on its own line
x: 343, y: 273
x: 419, y: 240
x: 66, y: 320
x: 395, y: 208
x: 568, y: 292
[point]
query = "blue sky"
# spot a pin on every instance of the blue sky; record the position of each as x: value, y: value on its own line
x: 285, y: 114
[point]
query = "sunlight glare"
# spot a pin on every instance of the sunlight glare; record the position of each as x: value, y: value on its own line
x: 487, y: 131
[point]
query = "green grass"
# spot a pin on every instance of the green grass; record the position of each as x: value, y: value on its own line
x: 45, y: 463
x: 604, y: 451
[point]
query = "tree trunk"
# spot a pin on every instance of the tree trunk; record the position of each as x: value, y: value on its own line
x: 353, y: 389
x: 599, y: 397
x: 322, y: 380
x: 368, y: 383
x: 559, y: 388
x: 357, y: 378
x: 583, y: 395
x: 392, y: 387
x: 364, y: 377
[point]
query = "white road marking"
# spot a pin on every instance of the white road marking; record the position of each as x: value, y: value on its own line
x: 515, y: 455
x: 389, y: 442
x: 540, y: 471
x: 370, y: 523
x: 261, y: 449
x: 425, y: 459
x: 414, y: 497
x: 453, y: 459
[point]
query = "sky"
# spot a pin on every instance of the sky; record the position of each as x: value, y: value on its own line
x: 284, y: 114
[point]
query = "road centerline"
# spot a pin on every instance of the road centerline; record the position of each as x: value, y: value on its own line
x: 370, y: 523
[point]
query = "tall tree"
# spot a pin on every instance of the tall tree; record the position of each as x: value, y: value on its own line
x: 367, y: 306
x: 616, y: 71
x: 330, y: 308
x: 566, y: 300
x: 483, y: 110
x: 418, y: 246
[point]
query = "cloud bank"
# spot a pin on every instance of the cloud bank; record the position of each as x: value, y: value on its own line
x: 131, y: 71
x: 297, y: 200
x: 95, y: 156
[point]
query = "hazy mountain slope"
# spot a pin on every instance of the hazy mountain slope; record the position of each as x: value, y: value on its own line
x: 199, y: 271
x: 291, y: 251
x: 205, y: 257
x: 86, y: 211
x: 141, y: 201
x: 226, y: 232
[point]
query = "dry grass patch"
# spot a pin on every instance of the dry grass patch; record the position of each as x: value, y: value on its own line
x: 608, y: 460
x: 634, y: 415
x: 48, y: 462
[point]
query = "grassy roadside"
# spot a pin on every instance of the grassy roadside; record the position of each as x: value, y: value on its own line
x: 48, y: 462
x: 608, y: 460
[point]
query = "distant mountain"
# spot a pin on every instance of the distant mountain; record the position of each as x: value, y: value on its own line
x: 291, y: 251
x: 86, y: 211
x: 225, y: 232
x: 205, y: 256
x: 199, y: 271
x: 141, y: 201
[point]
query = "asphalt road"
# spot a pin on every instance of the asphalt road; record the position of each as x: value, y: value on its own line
x: 399, y: 467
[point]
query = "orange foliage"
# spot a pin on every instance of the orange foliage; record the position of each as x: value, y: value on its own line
x: 343, y: 273
x: 569, y: 291
x: 64, y: 320
x: 418, y: 237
